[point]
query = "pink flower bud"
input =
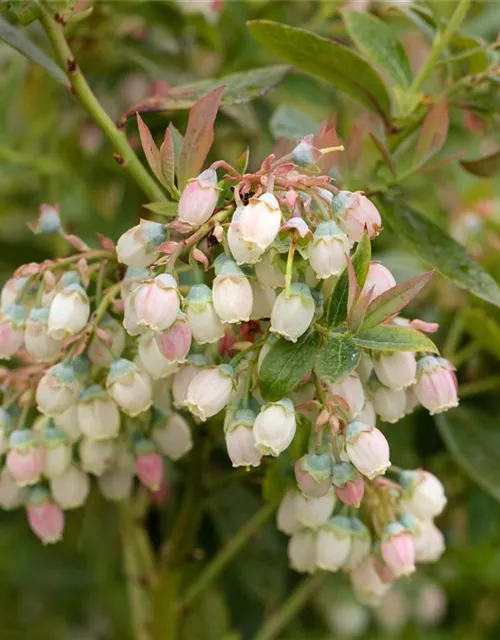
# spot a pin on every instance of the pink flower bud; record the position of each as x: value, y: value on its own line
x: 171, y: 433
x: 39, y: 344
x: 232, y: 294
x: 367, y: 448
x: 182, y: 379
x: 240, y: 442
x: 98, y: 414
x: 149, y: 465
x: 348, y: 483
x: 379, y: 280
x: 199, y: 198
x: 57, y: 451
x: 292, y: 315
x: 57, y: 390
x: 11, y: 331
x: 429, y: 542
x: 260, y: 221
x: 156, y: 302
x: 138, y: 247
x: 130, y: 387
x: 103, y: 354
x: 71, y: 489
x: 360, y: 545
x: 328, y: 250
x: 333, y: 543
x: 268, y: 271
x: 436, y: 387
x: 12, y: 495
x: 25, y: 459
x: 210, y: 391
x: 175, y: 342
x: 396, y: 370
x: 69, y: 312
x: 351, y: 391
x: 243, y: 252
x: 302, y: 551
x: 314, y: 512
x: 398, y: 549
x: 313, y: 473
x: 357, y: 215
x: 286, y: 517
x: 205, y: 323
x: 389, y: 404
x: 45, y: 518
x: 368, y: 586
x: 152, y: 360
x: 423, y: 494
x: 274, y: 427
x: 96, y: 456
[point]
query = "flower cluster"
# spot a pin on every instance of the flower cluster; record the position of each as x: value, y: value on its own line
x: 112, y: 368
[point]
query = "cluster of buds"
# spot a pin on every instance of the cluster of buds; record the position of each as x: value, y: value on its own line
x: 112, y: 367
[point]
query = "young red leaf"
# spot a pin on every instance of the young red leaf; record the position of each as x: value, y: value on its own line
x: 199, y: 136
x: 433, y: 133
x: 358, y: 311
x: 167, y: 162
x: 392, y: 301
x: 327, y: 137
x: 150, y: 149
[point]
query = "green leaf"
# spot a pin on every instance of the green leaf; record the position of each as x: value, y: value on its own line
x: 432, y: 134
x: 326, y: 59
x: 473, y: 439
x: 167, y: 209
x: 484, y: 329
x: 443, y: 253
x: 477, y: 60
x: 378, y: 42
x: 336, y: 358
x: 286, y: 364
x: 18, y: 40
x: 389, y: 337
x: 288, y: 122
x: 484, y: 167
x: 167, y: 162
x: 242, y: 86
x: 336, y: 310
x: 392, y: 301
x: 26, y: 11
x: 199, y: 136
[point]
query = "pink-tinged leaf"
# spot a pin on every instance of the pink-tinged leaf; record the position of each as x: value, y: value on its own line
x: 104, y: 335
x: 384, y: 152
x: 327, y: 137
x: 358, y: 311
x: 150, y: 149
x: 353, y: 286
x: 169, y: 247
x: 441, y: 163
x: 83, y: 268
x: 199, y: 256
x: 105, y: 242
x: 392, y: 301
x: 167, y: 161
x: 199, y: 136
x: 433, y: 133
x: 485, y: 167
x: 218, y: 232
x: 76, y: 242
x: 28, y: 270
x: 49, y: 280
x: 426, y: 327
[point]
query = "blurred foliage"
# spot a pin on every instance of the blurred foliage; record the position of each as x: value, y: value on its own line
x: 51, y: 151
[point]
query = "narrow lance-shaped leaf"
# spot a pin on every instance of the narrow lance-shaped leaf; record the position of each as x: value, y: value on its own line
x: 326, y: 59
x: 432, y: 134
x: 336, y: 310
x: 443, y: 253
x: 484, y: 167
x: 167, y: 162
x: 336, y: 358
x: 286, y: 364
x: 150, y: 149
x: 199, y: 136
x: 18, y: 40
x: 380, y: 44
x: 389, y: 337
x: 392, y: 301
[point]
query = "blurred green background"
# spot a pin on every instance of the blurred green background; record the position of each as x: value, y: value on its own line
x: 50, y: 151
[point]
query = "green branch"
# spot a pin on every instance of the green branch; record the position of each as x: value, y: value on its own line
x: 124, y: 153
x: 224, y: 557
x: 279, y: 620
